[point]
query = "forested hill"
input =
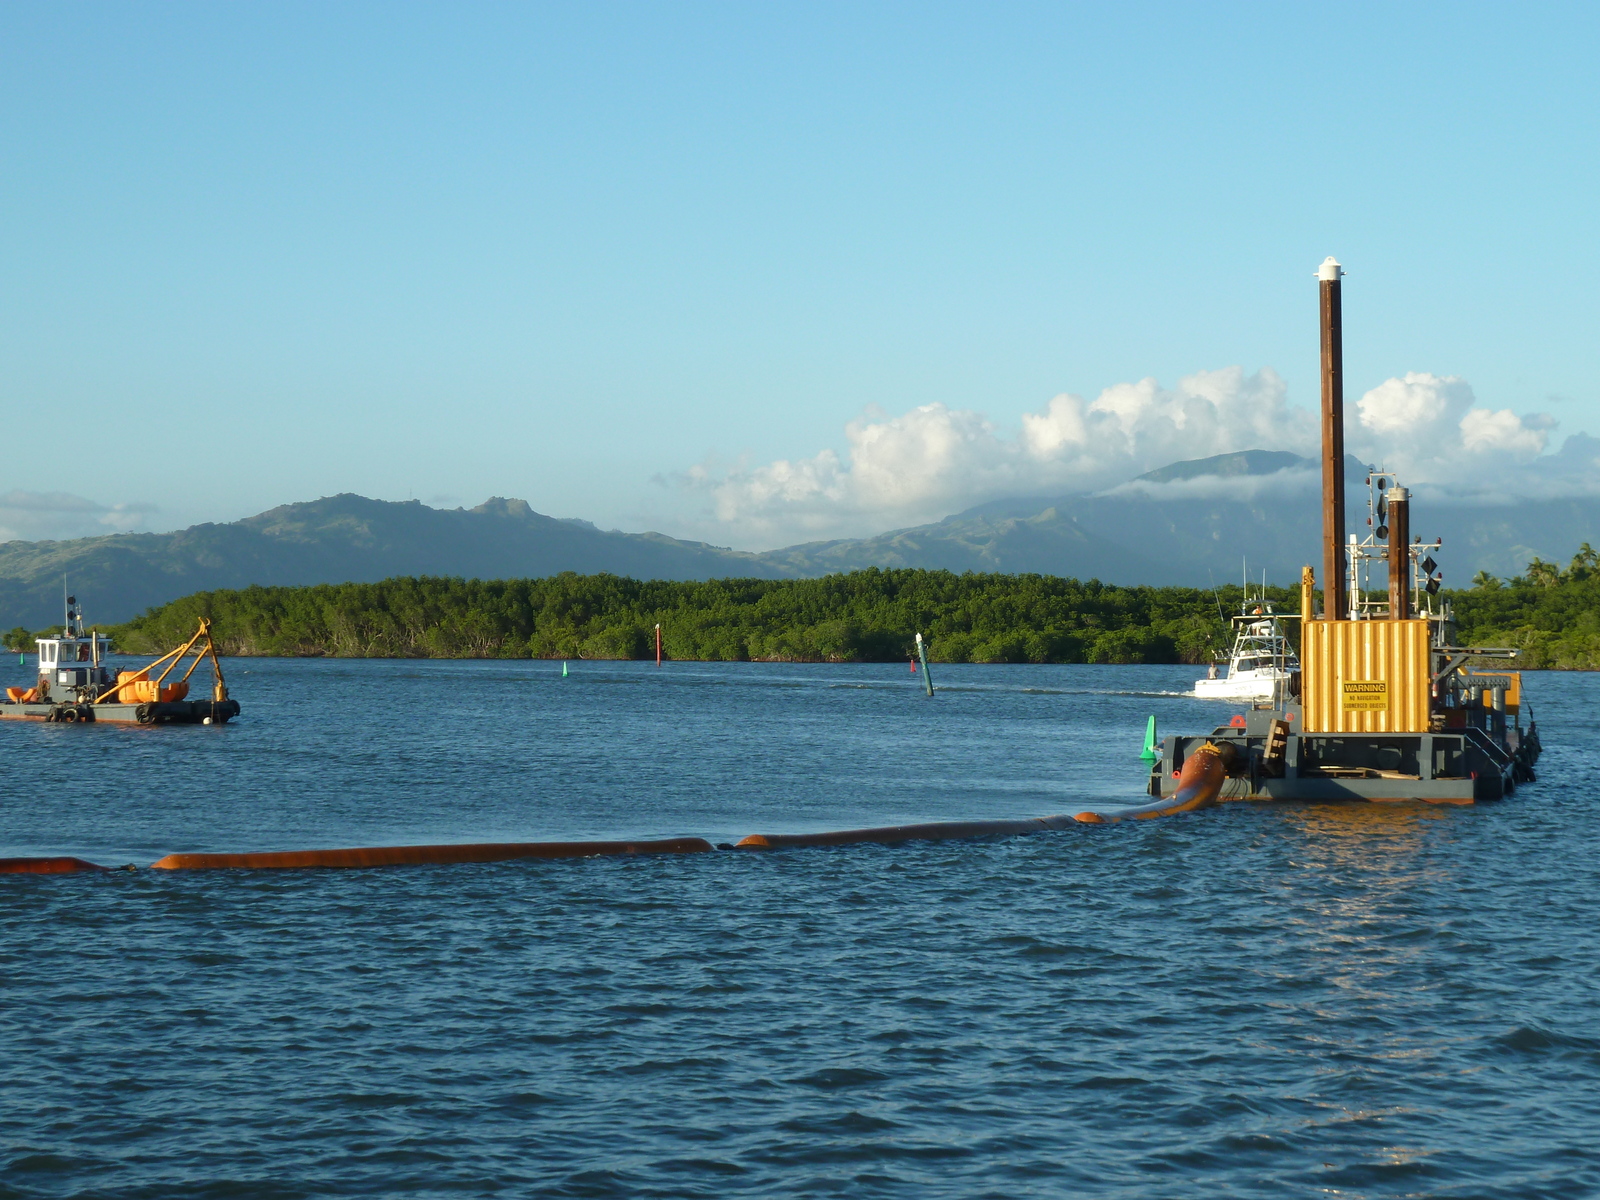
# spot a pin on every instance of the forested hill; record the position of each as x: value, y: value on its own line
x: 1188, y: 523
x: 337, y: 538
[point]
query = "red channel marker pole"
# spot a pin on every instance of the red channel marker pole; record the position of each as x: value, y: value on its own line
x: 658, y: 645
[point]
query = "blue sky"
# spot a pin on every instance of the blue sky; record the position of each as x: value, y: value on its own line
x: 647, y: 264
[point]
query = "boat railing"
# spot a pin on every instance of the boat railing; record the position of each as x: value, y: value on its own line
x: 1498, y: 754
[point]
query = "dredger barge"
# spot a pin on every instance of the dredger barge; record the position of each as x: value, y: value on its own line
x: 1384, y: 706
x: 76, y: 683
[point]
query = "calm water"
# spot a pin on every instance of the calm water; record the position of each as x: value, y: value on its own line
x: 1250, y: 1001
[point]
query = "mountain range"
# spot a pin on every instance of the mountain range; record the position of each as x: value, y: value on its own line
x: 1191, y: 522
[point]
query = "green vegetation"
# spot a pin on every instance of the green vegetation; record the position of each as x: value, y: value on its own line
x: 864, y: 616
x: 22, y: 640
x: 1551, y: 614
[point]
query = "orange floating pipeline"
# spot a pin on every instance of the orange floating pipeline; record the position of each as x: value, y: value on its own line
x: 1199, y: 783
x: 55, y: 865
x: 890, y: 834
x: 406, y: 856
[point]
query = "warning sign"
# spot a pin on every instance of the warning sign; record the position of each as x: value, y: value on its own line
x: 1364, y: 695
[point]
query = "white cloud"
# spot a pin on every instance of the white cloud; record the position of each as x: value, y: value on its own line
x: 1431, y: 430
x: 1503, y: 432
x: 932, y: 461
x: 1282, y: 484
x: 1430, y: 418
x: 935, y: 460
x: 49, y: 516
x: 1413, y: 407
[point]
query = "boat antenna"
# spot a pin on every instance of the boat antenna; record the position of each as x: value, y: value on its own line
x: 1221, y: 617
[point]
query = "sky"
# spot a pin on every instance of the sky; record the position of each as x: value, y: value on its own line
x: 762, y: 273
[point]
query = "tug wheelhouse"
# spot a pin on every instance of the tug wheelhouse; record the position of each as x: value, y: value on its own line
x: 73, y: 664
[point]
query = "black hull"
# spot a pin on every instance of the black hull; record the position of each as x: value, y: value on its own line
x: 169, y: 712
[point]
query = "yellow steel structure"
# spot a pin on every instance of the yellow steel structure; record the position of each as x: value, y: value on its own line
x: 219, y: 688
x: 1365, y: 676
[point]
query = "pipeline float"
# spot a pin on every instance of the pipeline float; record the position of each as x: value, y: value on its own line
x: 397, y: 856
x: 1204, y: 778
x: 888, y: 835
x: 59, y: 864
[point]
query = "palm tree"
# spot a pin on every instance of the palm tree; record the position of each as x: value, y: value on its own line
x: 1583, y: 562
x: 1542, y: 573
x: 1485, y: 582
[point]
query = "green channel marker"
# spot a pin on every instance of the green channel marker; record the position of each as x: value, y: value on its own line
x: 1152, y: 748
x: 922, y: 653
x: 564, y: 675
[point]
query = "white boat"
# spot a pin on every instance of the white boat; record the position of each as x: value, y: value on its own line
x: 1262, y: 662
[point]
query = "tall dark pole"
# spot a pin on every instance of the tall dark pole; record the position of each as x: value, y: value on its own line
x: 1335, y: 585
x: 1398, y: 501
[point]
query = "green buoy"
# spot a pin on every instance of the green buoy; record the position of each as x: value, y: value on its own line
x: 1152, y: 748
x: 564, y: 675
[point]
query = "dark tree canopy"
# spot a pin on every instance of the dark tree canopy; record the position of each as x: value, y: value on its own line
x: 864, y: 616
x: 1552, y: 614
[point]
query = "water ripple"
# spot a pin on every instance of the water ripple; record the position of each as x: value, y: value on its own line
x: 1249, y: 1002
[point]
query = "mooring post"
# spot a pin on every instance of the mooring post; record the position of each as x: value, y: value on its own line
x: 922, y: 653
x: 1335, y: 596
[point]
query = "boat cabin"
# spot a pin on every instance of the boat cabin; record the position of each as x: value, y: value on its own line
x: 73, y: 664
x: 1263, y: 662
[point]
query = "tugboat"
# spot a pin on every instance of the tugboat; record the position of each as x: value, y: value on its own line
x: 1263, y: 665
x: 76, y: 683
x: 1385, y: 707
